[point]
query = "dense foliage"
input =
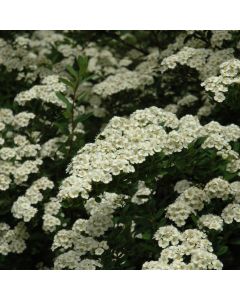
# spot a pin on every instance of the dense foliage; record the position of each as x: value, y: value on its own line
x: 119, y: 150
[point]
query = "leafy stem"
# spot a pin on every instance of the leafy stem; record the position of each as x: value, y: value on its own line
x: 75, y: 77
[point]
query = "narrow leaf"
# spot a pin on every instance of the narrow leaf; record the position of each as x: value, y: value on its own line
x: 67, y: 82
x: 64, y: 100
x: 72, y: 72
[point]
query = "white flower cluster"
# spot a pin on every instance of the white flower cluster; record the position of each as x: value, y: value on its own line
x: 211, y: 221
x: 71, y: 260
x: 4, y: 182
x: 51, y: 147
x: 218, y: 85
x: 125, y: 79
x: 233, y: 156
x: 167, y: 235
x: 29, y: 55
x: 173, y: 108
x: 13, y: 240
x: 23, y: 149
x: 187, y: 100
x: 123, y: 142
x: 82, y: 237
x: 51, y: 210
x: 46, y: 92
x: 205, y: 61
x: 182, y: 185
x: 184, y: 39
x: 122, y: 145
x: 128, y: 141
x: 217, y: 188
x: 22, y: 119
x: 18, y: 121
x: 222, y: 189
x: 22, y: 208
x: 102, y: 61
x: 235, y: 190
x: 141, y: 196
x: 192, y: 244
x: 194, y: 199
x: 219, y: 36
x: 93, y: 164
x: 219, y: 138
x: 231, y: 213
x: 7, y: 167
x: 22, y: 171
x: 184, y: 102
x: 192, y: 57
x: 16, y: 149
x: 101, y: 213
x: 206, y: 109
x: 189, y: 202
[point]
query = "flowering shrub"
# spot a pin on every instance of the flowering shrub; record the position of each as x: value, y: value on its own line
x: 120, y: 150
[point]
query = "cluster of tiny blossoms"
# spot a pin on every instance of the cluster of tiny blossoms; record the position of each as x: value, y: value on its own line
x: 13, y: 240
x: 219, y: 36
x: 211, y: 221
x: 18, y: 156
x: 182, y: 185
x: 128, y: 141
x: 102, y: 61
x: 123, y: 144
x: 186, y: 101
x: 125, y: 79
x: 22, y: 207
x: 192, y: 200
x: 84, y: 236
x: 50, y: 217
x: 46, y: 92
x: 191, y: 244
x: 21, y: 157
x: 122, y: 81
x: 30, y: 55
x: 142, y: 194
x: 205, y: 61
x: 218, y: 85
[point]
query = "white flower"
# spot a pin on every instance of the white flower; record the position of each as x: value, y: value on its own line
x: 211, y: 221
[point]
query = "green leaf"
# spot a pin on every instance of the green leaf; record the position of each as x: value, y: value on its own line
x: 83, y: 65
x: 72, y: 72
x: 64, y: 100
x: 67, y: 82
x: 62, y: 127
x: 67, y: 114
x: 146, y: 236
x: 82, y: 118
x: 194, y: 219
x: 160, y: 213
x: 81, y: 96
x: 222, y: 250
x: 162, y: 222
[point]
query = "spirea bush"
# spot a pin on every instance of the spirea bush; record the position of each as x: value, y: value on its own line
x: 120, y: 150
